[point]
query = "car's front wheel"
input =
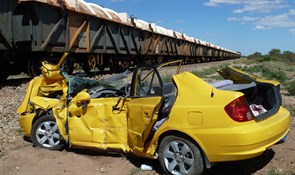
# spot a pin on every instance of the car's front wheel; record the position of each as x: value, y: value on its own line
x: 178, y: 155
x: 45, y: 133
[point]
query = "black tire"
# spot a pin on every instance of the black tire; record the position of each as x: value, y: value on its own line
x: 178, y: 155
x: 114, y: 66
x: 45, y: 133
x: 86, y: 68
x: 100, y: 68
x: 125, y: 64
x: 3, y: 76
x: 34, y: 65
x: 68, y: 66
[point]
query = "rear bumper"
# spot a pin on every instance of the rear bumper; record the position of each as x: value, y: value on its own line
x: 244, y: 140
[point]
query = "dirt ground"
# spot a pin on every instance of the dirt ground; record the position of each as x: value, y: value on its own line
x: 19, y: 157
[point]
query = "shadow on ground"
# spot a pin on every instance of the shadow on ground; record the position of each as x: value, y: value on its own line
x: 244, y: 167
x: 154, y: 163
x: 14, y: 82
x: 136, y: 161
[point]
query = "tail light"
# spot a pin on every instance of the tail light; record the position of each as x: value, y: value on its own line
x: 239, y: 110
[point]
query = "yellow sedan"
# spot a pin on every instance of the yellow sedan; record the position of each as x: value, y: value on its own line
x: 184, y: 121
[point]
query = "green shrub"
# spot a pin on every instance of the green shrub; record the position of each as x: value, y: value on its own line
x: 273, y: 172
x: 255, y: 56
x: 204, y: 73
x: 280, y: 75
x: 290, y: 69
x: 264, y: 58
x: 291, y: 109
x: 241, y: 67
x: 252, y: 69
x: 277, y: 75
x: 216, y: 77
x: 291, y: 88
x: 167, y: 78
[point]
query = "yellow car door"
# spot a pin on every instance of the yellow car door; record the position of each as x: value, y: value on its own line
x: 92, y: 122
x: 142, y: 109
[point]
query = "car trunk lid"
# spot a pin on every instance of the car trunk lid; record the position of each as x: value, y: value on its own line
x: 260, y: 94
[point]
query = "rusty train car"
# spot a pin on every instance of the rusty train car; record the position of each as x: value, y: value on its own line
x: 32, y: 31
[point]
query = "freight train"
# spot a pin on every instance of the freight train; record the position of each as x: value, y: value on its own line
x: 32, y: 31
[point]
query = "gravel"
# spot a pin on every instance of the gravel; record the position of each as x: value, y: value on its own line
x: 11, y: 97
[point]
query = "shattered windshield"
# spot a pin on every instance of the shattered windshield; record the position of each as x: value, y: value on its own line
x: 77, y: 84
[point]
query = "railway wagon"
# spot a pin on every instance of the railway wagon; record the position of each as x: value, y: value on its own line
x: 32, y: 31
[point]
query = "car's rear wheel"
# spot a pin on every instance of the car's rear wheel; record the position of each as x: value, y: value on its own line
x: 178, y: 155
x: 45, y: 133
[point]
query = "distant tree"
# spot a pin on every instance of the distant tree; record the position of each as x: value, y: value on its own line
x: 265, y: 58
x: 275, y: 53
x: 288, y: 56
x: 291, y: 88
x: 256, y: 56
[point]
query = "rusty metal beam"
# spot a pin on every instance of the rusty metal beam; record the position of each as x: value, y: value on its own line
x: 74, y: 38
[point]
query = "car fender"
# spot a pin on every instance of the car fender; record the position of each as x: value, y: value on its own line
x: 165, y: 131
x: 61, y: 115
x: 31, y: 91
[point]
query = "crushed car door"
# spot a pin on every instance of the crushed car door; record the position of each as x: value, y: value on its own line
x: 142, y: 110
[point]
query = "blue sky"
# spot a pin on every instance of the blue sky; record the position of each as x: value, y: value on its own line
x: 240, y: 25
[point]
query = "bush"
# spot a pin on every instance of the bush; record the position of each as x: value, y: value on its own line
x: 290, y: 69
x: 264, y: 58
x: 273, y: 172
x: 167, y: 78
x: 280, y: 75
x: 277, y: 75
x: 252, y: 69
x: 291, y: 109
x: 204, y: 73
x: 255, y: 56
x: 291, y: 88
x: 288, y: 56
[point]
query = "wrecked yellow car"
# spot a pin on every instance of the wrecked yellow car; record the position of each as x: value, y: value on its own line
x: 184, y: 121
